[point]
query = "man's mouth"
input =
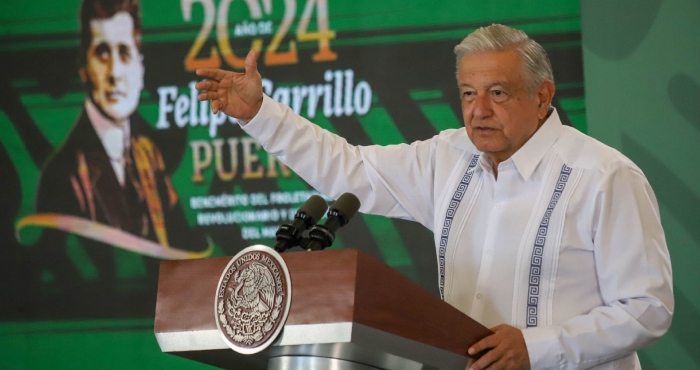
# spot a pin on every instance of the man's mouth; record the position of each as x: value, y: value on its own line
x: 115, y: 94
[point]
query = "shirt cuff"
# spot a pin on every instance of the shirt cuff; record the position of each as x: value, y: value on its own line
x: 543, y: 347
x: 264, y: 124
x: 244, y: 122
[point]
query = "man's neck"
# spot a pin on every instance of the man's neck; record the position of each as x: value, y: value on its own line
x: 496, y: 160
x: 114, y: 137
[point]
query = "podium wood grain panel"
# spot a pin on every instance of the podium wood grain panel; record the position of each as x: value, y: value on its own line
x: 334, y: 286
x: 386, y: 300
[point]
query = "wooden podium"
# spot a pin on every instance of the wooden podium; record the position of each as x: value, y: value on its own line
x: 348, y: 311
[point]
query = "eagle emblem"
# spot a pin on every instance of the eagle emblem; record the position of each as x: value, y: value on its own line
x: 253, y: 299
x: 257, y: 286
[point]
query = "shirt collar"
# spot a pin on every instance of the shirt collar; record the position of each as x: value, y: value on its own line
x: 529, y: 156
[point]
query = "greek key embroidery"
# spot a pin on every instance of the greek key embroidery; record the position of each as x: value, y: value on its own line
x: 449, y: 215
x: 533, y: 294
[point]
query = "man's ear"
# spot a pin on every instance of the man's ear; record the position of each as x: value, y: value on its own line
x: 143, y: 66
x: 85, y: 79
x: 544, y: 95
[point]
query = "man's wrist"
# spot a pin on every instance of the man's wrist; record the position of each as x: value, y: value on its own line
x: 245, y: 121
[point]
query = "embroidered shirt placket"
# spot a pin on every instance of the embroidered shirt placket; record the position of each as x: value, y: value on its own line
x: 538, y: 250
x: 452, y: 208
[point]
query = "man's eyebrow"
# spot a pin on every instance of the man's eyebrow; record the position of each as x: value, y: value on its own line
x: 498, y: 83
x: 491, y: 85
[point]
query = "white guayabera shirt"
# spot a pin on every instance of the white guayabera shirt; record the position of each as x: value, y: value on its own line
x: 567, y: 245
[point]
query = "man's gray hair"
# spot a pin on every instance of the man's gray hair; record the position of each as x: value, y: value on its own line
x: 496, y: 37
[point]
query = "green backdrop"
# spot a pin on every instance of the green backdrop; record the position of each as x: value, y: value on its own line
x: 638, y: 64
x: 642, y: 75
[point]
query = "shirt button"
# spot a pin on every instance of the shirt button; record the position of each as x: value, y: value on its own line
x: 488, y: 251
x: 479, y: 296
x: 497, y: 206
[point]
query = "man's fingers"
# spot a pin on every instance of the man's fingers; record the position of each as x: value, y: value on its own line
x: 207, y: 85
x: 489, y: 342
x: 207, y: 72
x: 208, y: 95
x: 216, y: 74
x: 489, y: 358
x: 251, y: 62
x: 506, y: 349
x: 486, y: 343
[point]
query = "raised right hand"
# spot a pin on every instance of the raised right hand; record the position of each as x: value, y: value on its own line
x: 238, y: 95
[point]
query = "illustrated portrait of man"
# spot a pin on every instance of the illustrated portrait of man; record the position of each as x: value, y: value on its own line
x: 108, y: 170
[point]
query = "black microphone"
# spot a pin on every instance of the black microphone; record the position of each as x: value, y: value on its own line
x: 308, y: 214
x: 322, y: 236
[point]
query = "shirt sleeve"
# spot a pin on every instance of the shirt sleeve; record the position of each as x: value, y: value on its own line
x: 633, y: 271
x: 394, y: 180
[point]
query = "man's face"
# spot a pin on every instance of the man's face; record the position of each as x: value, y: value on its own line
x: 114, y: 67
x: 498, y: 114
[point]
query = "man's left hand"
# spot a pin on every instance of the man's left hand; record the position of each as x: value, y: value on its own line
x: 505, y: 349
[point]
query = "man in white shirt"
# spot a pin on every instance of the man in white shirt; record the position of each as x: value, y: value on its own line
x: 542, y: 233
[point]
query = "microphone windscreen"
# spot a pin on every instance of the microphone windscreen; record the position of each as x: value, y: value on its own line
x: 314, y: 207
x: 347, y: 205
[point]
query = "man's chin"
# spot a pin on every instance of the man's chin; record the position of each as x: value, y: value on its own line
x: 487, y: 147
x: 117, y: 117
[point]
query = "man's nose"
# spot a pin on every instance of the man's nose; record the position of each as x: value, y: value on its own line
x: 117, y: 66
x: 482, y: 106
